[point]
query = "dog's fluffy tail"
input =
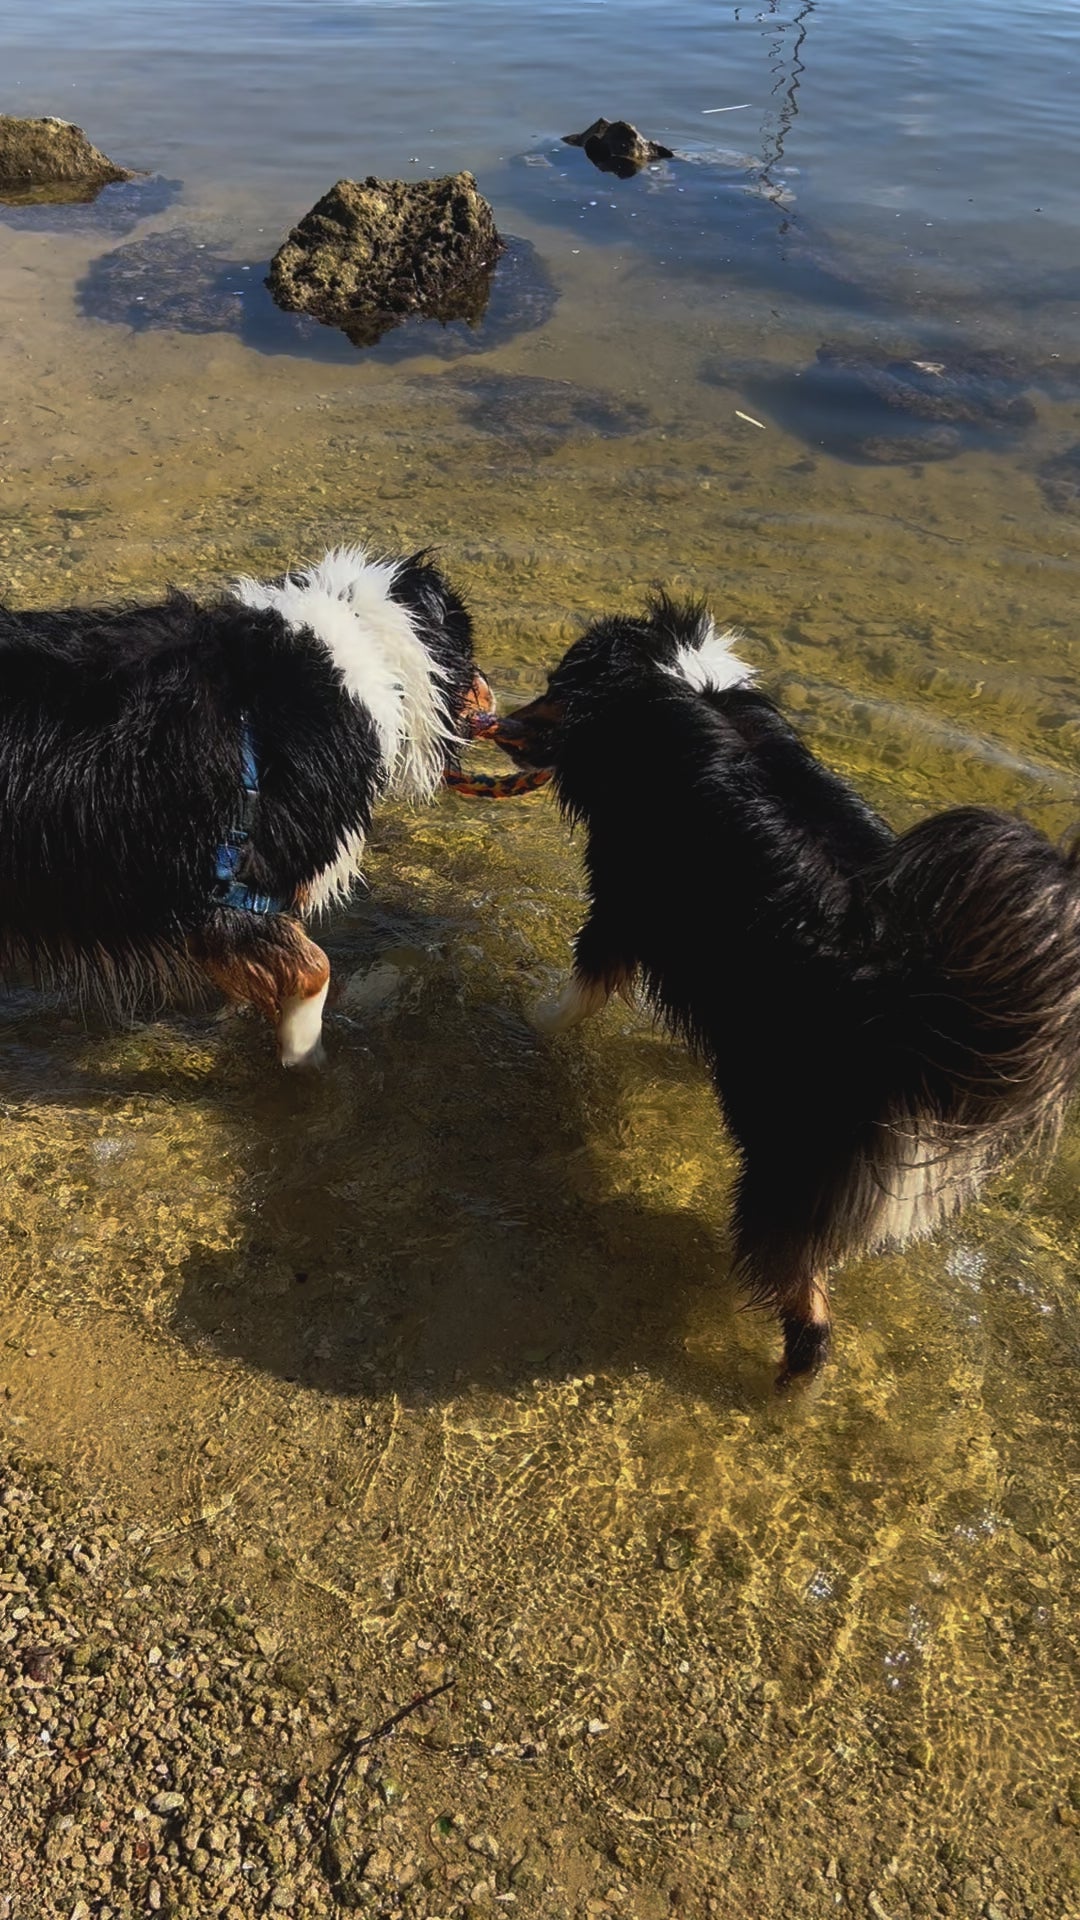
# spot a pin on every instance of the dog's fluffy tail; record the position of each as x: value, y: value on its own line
x: 978, y: 940
x: 984, y: 913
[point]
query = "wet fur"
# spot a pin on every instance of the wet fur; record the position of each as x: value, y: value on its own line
x: 885, y: 1018
x: 121, y: 772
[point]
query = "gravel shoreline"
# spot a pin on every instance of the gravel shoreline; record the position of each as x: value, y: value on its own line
x: 165, y: 1753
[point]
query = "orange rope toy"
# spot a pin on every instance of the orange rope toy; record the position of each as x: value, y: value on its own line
x: 494, y: 786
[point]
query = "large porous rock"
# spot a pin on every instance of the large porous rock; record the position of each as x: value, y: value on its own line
x: 616, y: 147
x: 372, y: 253
x: 50, y: 153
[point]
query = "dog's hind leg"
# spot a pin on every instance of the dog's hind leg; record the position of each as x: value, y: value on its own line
x: 777, y: 1262
x: 599, y: 971
x: 803, y: 1306
x: 271, y: 964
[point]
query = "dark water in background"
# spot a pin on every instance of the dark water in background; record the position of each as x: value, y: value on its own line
x: 482, y: 1222
x: 947, y: 127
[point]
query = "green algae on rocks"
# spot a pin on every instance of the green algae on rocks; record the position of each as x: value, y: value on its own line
x: 372, y: 253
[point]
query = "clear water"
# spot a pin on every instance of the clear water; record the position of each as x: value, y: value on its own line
x: 460, y: 1318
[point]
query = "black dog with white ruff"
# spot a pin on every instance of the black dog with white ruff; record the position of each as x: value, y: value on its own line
x: 885, y: 1017
x: 181, y: 784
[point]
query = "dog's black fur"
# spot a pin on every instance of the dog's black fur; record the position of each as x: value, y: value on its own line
x: 121, y: 774
x: 885, y: 1017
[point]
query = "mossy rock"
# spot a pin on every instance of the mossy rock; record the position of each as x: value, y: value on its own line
x: 50, y: 153
x: 373, y: 253
x: 614, y: 146
x: 104, y: 198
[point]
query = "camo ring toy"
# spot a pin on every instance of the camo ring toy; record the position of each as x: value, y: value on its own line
x: 494, y: 786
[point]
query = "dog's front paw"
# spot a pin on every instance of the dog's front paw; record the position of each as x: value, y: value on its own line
x: 308, y: 1062
x: 580, y: 999
x: 547, y: 1016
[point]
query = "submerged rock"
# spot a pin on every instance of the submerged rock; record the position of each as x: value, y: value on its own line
x: 169, y: 280
x: 373, y: 253
x: 614, y: 146
x: 1059, y: 480
x: 538, y: 414
x: 174, y: 281
x: 972, y: 388
x: 52, y: 154
x: 882, y: 406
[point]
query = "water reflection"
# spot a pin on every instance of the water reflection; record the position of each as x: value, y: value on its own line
x: 115, y: 208
x: 788, y: 67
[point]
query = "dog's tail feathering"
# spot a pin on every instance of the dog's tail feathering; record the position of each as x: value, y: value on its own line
x: 985, y: 912
x: 978, y: 919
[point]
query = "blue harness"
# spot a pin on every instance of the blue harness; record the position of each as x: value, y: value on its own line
x: 228, y: 890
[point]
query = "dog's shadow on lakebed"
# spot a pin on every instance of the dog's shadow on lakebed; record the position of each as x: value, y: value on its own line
x: 417, y: 1243
x: 451, y: 1203
x: 435, y: 1214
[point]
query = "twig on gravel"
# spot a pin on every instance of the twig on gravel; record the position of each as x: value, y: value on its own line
x: 359, y: 1743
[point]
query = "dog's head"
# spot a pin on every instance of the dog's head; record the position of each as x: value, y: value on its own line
x: 617, y: 658
x: 442, y: 620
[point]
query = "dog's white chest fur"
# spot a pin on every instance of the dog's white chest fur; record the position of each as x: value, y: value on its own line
x: 346, y: 601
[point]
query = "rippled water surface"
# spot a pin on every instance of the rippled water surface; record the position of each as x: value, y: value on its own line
x: 458, y: 1321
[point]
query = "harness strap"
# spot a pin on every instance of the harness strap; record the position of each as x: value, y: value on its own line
x: 228, y: 890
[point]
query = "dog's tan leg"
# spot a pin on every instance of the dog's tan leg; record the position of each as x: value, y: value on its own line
x: 299, y: 1030
x: 282, y: 973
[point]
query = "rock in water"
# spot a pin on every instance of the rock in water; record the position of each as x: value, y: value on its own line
x: 51, y: 153
x: 375, y: 252
x: 616, y: 147
x: 179, y: 281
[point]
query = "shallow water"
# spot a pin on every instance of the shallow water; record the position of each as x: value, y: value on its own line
x: 457, y: 1322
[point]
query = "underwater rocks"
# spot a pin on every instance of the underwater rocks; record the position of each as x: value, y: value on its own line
x: 52, y: 153
x: 373, y: 253
x: 614, y: 146
x: 877, y: 405
x: 1059, y: 480
x: 176, y: 282
x: 536, y: 414
x: 170, y: 281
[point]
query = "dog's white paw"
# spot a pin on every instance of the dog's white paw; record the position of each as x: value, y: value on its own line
x: 546, y: 1016
x: 579, y: 1000
x: 308, y: 1062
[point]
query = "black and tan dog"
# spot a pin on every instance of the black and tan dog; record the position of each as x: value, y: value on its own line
x: 181, y: 784
x: 885, y: 1017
